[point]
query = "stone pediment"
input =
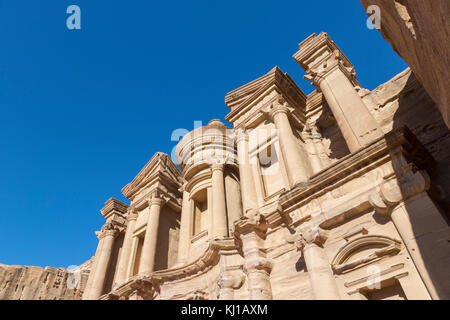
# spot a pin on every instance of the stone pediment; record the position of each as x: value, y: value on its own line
x: 364, y: 250
x: 160, y: 169
x: 241, y: 98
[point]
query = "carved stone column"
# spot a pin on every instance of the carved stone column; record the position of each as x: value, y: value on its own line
x: 185, y: 229
x: 245, y: 172
x: 219, y: 214
x: 147, y: 263
x: 323, y: 283
x: 422, y: 228
x: 126, y: 248
x: 257, y: 266
x: 333, y: 74
x: 107, y: 236
x: 228, y: 282
x: 87, y: 290
x: 296, y: 163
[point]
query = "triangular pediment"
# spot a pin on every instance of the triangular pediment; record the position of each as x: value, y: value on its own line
x: 160, y: 169
x: 239, y: 99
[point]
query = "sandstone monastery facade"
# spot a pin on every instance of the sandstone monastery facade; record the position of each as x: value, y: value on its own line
x: 339, y: 194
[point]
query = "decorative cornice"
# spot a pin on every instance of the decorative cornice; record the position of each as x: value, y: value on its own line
x: 161, y: 169
x: 114, y: 206
x: 240, y: 100
x: 379, y: 151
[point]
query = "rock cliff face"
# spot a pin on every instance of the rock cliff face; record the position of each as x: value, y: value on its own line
x: 418, y: 31
x: 36, y: 283
x: 403, y: 101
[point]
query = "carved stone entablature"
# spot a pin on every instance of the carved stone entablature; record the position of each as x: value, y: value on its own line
x: 114, y: 207
x: 160, y: 172
x: 164, y: 195
x: 397, y: 150
x: 249, y: 104
x: 318, y: 55
x: 367, y: 249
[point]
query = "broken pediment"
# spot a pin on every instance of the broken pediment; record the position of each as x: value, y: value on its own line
x: 241, y: 100
x: 364, y: 250
x: 160, y: 171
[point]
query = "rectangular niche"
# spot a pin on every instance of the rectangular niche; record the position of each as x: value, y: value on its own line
x: 200, y: 221
x: 270, y: 169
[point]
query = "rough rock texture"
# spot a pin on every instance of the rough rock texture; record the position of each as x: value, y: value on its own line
x: 403, y: 101
x: 36, y: 283
x: 418, y: 31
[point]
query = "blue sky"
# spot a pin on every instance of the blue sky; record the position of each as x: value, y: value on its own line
x: 82, y: 111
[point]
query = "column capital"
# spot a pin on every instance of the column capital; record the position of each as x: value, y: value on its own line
x: 217, y: 166
x: 231, y: 280
x: 398, y: 187
x: 318, y: 55
x: 242, y: 136
x: 280, y: 106
x: 252, y: 222
x: 310, y: 236
x: 132, y: 215
x: 108, y: 229
x: 156, y: 201
x: 258, y: 263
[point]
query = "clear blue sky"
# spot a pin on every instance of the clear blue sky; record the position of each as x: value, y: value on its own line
x: 83, y: 111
